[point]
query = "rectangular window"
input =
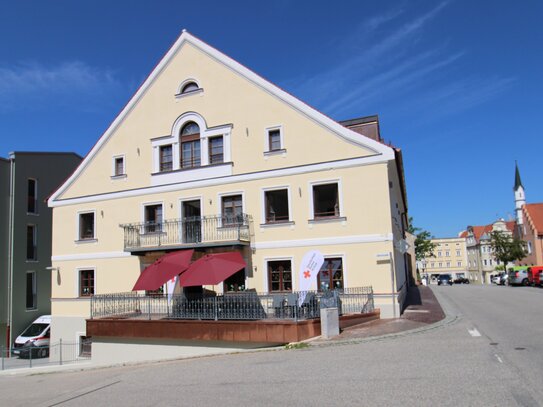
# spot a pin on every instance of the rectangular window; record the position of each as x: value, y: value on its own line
x: 325, y: 201
x: 276, y: 203
x: 438, y: 254
x: 485, y: 261
x: 529, y: 247
x: 190, y: 154
x: 166, y: 158
x: 86, y: 283
x: 448, y: 264
x: 86, y: 226
x: 85, y: 346
x: 232, y: 210
x: 280, y: 275
x: 433, y: 265
x: 216, y: 155
x: 447, y: 254
x: 458, y: 252
x: 118, y: 165
x: 32, y: 197
x: 274, y: 140
x: 331, y: 274
x: 153, y: 218
x: 31, y: 290
x: 458, y: 264
x: 31, y: 242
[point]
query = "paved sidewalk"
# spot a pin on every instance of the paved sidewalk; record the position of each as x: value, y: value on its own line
x: 422, y: 309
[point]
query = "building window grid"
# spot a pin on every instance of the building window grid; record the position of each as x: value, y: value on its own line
x: 331, y: 274
x: 276, y: 206
x: 326, y: 201
x: 166, y: 158
x: 280, y: 275
x: 190, y: 146
x: 216, y: 150
x: 118, y: 166
x: 31, y: 290
x: 232, y: 210
x: 86, y: 283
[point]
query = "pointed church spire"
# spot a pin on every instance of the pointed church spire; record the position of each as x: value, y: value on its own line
x: 518, y: 182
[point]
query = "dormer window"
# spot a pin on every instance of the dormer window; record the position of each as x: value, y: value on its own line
x: 190, y: 146
x: 190, y: 87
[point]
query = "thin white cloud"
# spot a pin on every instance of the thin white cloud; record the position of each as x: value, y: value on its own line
x: 377, y: 21
x: 54, y: 84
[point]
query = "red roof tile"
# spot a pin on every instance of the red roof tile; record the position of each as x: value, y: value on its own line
x: 535, y: 216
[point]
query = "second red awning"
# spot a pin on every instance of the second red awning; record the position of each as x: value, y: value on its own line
x: 212, y: 269
x: 164, y: 269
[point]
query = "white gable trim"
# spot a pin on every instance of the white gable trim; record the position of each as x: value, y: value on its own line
x: 273, y: 90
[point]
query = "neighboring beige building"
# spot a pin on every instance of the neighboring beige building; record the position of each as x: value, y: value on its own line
x: 209, y: 155
x: 481, y: 261
x: 449, y: 258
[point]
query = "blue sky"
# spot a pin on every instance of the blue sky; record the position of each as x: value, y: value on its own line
x: 457, y: 84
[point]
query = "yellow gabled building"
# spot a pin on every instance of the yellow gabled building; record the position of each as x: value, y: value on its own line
x: 209, y: 155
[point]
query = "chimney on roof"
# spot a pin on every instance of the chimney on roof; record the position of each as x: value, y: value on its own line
x: 367, y: 126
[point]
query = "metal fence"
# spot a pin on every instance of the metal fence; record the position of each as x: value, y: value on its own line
x: 193, y: 230
x: 59, y: 353
x: 246, y: 305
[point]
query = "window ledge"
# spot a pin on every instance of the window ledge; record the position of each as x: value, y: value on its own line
x: 230, y: 163
x: 32, y: 261
x: 84, y: 241
x: 33, y: 214
x: 328, y: 220
x: 120, y: 176
x: 192, y: 92
x: 274, y: 224
x: 283, y: 151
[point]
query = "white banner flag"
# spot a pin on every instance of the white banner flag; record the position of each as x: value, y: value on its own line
x: 170, y: 287
x: 309, y: 268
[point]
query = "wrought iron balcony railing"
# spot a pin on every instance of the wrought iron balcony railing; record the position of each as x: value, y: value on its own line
x: 187, y: 232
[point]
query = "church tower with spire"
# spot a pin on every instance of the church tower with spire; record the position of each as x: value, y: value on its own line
x: 520, y: 198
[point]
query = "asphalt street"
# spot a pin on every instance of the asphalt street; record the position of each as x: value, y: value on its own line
x: 487, y: 352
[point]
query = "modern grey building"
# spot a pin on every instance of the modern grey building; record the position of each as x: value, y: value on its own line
x: 26, y: 181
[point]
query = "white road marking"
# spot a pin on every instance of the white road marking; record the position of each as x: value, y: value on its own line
x: 416, y: 310
x: 498, y: 357
x: 474, y: 332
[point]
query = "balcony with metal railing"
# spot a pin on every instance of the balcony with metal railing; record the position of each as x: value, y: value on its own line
x: 196, y: 231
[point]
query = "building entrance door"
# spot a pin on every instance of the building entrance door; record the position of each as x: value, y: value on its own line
x: 192, y: 222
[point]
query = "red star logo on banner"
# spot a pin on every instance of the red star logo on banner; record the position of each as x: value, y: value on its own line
x: 307, y: 274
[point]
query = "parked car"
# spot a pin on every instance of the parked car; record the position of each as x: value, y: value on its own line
x: 504, y: 279
x: 444, y: 279
x: 533, y: 275
x: 518, y: 275
x: 461, y: 280
x: 541, y: 278
x: 34, y: 341
x: 495, y: 279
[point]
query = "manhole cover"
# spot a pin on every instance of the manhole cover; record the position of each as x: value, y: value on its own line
x: 520, y: 348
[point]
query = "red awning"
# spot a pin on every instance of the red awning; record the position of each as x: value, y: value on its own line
x: 212, y: 269
x: 164, y: 269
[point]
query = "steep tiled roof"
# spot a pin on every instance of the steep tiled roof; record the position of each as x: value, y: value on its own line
x: 479, y: 231
x: 535, y: 216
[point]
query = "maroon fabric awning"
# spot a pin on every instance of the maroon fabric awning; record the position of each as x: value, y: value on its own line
x: 212, y: 269
x: 164, y: 269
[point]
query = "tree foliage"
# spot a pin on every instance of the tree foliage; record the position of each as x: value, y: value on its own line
x: 424, y: 248
x: 507, y: 248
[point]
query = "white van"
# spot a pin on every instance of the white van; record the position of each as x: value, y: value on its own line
x: 34, y: 339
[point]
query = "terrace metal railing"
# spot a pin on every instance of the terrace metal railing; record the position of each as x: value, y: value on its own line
x: 193, y: 231
x: 247, y: 305
x: 58, y: 353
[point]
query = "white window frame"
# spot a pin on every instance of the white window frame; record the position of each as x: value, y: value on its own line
x: 205, y: 133
x: 263, y: 205
x: 339, y: 183
x: 343, y: 256
x: 78, y: 225
x: 265, y: 279
x: 78, y: 281
x: 267, y: 146
x: 221, y: 195
x: 179, y: 95
x: 152, y: 203
x: 113, y: 166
